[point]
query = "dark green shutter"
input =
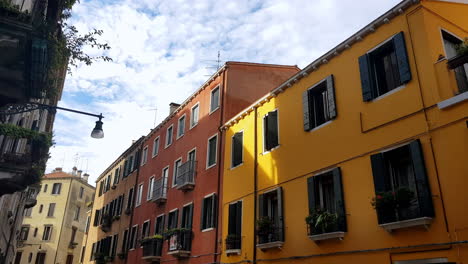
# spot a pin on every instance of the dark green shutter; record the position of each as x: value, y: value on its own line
x: 422, y: 184
x: 202, y: 217
x: 176, y: 221
x: 379, y: 172
x: 366, y: 78
x: 261, y: 205
x: 311, y: 193
x: 331, y: 97
x: 272, y: 129
x: 232, y: 219
x: 279, y: 193
x: 214, y: 211
x: 339, y: 199
x: 306, y: 110
x: 38, y: 67
x: 190, y: 219
x: 239, y: 218
x: 237, y: 148
x: 402, y: 57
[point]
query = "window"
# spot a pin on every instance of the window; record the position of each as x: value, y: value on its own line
x: 130, y: 165
x: 18, y: 257
x: 214, y: 101
x: 169, y: 135
x: 187, y: 215
x: 96, y: 218
x: 101, y: 187
x: 27, y: 212
x: 83, y: 250
x: 45, y: 188
x: 326, y: 195
x: 159, y: 225
x: 40, y: 208
x: 130, y: 199
x: 150, y: 189
x: 177, y: 164
x: 40, y: 258
x: 384, y: 68
x: 212, y: 151
x: 88, y: 222
x: 117, y: 175
x: 192, y: 155
x: 144, y: 156
x: 115, y: 241
x: 73, y: 234
x: 461, y: 70
x: 155, y: 147
x: 47, y: 233
x: 77, y: 214
x: 402, y: 171
x: 270, y: 208
x: 24, y: 233
x: 237, y: 149
x: 133, y: 237
x: 145, y: 229
x: 108, y: 182
x: 165, y: 176
x: 194, y: 115
x: 318, y: 104
x: 270, y: 131
x: 125, y: 171
x: 81, y: 193
x: 56, y: 188
x: 172, y: 220
x: 124, y: 241
x: 51, y: 211
x: 35, y: 232
x: 139, y: 194
x: 233, y: 241
x: 208, y: 212
x: 181, y: 127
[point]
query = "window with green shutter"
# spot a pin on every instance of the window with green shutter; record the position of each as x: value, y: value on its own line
x: 384, y: 68
x: 318, y: 104
x: 237, y: 149
x: 401, y: 184
x: 234, y: 237
x: 270, y: 130
x: 208, y: 212
x: 270, y: 211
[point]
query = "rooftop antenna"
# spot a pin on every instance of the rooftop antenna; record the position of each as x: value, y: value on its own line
x: 75, y: 159
x: 86, y: 171
x: 155, y: 115
x: 217, y: 63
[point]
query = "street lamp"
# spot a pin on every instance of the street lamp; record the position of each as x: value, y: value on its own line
x: 21, y: 108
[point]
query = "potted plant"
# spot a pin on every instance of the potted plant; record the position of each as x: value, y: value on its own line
x: 462, y: 55
x: 321, y: 221
x: 113, y: 187
x: 388, y: 203
x: 128, y: 211
x: 233, y: 241
x: 122, y: 255
x: 99, y: 258
x: 115, y: 217
x: 265, y: 229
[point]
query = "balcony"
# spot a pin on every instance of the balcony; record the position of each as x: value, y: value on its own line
x: 459, y: 64
x: 160, y: 191
x: 30, y: 202
x: 271, y: 237
x: 392, y: 219
x: 233, y: 244
x: 185, y: 178
x: 152, y: 248
x: 180, y: 243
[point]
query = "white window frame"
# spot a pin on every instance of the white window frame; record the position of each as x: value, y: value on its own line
x: 144, y: 155
x: 232, y: 149
x: 174, y: 171
x: 149, y: 194
x: 178, y: 218
x: 135, y: 238
x: 178, y: 126
x: 49, y: 237
x: 263, y: 132
x: 167, y: 144
x: 203, y: 201
x: 219, y: 98
x: 188, y: 153
x: 149, y: 228
x: 153, y: 154
x: 208, y: 151
x: 139, y: 194
x: 192, y: 124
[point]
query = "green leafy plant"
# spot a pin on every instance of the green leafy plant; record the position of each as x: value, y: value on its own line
x: 149, y: 238
x: 391, y: 200
x: 462, y: 48
x: 322, y: 221
x: 264, y: 225
x: 170, y: 232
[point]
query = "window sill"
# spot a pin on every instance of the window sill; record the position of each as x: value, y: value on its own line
x: 233, y: 252
x: 325, y: 236
x: 237, y: 166
x: 453, y: 100
x: 208, y: 229
x: 179, y: 253
x: 194, y: 125
x: 178, y: 137
x: 211, y: 166
x: 268, y: 151
x: 422, y: 221
x: 214, y: 110
x: 166, y: 146
x: 320, y: 126
x: 388, y: 93
x: 154, y: 156
x: 276, y: 244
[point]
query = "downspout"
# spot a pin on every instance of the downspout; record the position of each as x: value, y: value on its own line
x: 63, y: 219
x: 220, y: 168
x: 255, y: 185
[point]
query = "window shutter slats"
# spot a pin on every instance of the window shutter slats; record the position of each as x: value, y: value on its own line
x: 272, y: 130
x: 339, y: 199
x: 306, y: 110
x: 402, y: 57
x: 190, y: 220
x: 176, y: 219
x: 202, y: 218
x: 379, y: 172
x: 279, y: 193
x: 366, y: 79
x: 311, y: 194
x: 232, y: 219
x: 331, y: 97
x: 213, y: 211
x: 239, y: 218
x: 422, y: 184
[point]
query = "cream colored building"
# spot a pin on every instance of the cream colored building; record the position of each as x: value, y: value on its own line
x: 53, y: 230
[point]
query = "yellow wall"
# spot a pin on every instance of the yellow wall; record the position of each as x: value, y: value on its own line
x: 361, y: 129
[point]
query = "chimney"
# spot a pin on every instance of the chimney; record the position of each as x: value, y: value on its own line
x: 85, y: 177
x: 58, y: 169
x: 79, y: 173
x: 173, y: 107
x: 74, y: 171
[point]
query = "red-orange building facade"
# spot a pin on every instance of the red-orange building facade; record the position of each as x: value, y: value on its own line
x: 178, y: 186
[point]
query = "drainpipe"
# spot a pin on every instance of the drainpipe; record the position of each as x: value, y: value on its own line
x: 255, y: 184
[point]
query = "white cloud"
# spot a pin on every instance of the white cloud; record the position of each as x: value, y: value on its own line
x: 159, y: 51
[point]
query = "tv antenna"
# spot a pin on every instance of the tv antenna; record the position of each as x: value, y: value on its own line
x: 217, y: 63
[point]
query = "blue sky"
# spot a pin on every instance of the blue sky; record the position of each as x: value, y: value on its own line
x: 161, y: 52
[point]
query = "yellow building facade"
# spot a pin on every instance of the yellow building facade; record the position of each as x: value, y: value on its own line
x: 53, y: 230
x: 369, y: 142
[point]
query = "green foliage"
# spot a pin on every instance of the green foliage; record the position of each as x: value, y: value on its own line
x: 8, y: 9
x: 322, y: 221
x: 170, y: 232
x: 391, y: 200
x: 462, y: 49
x: 149, y: 238
x: 264, y: 225
x: 43, y: 139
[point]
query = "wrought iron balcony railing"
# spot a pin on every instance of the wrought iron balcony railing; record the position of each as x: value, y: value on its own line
x: 152, y: 248
x: 180, y: 243
x: 185, y: 178
x: 160, y: 190
x: 233, y: 242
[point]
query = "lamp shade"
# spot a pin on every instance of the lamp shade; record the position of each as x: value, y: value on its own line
x: 97, y: 131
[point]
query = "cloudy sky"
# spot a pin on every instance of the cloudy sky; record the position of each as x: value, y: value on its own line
x: 163, y: 50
